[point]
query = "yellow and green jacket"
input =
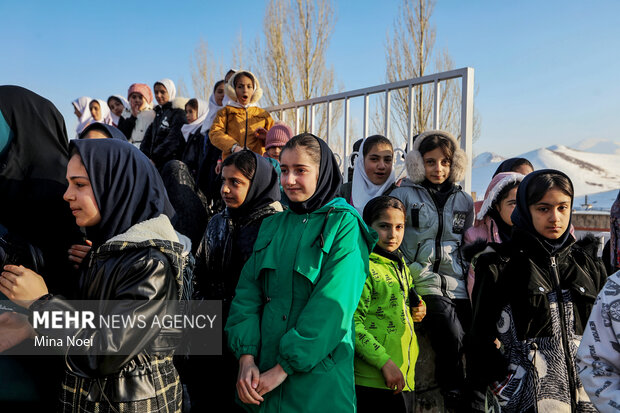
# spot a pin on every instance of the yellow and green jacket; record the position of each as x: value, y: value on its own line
x: 383, y: 323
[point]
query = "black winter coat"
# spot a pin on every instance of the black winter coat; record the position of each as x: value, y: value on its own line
x: 163, y: 139
x: 225, y: 247
x: 194, y: 152
x: 515, y: 299
x: 146, y: 273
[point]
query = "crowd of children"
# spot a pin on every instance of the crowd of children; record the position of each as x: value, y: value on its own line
x: 325, y: 286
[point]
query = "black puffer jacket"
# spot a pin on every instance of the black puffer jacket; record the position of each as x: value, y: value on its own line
x: 194, y: 152
x: 225, y: 247
x: 145, y: 271
x: 163, y: 139
x: 515, y: 300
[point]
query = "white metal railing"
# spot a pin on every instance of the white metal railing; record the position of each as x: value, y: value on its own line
x: 467, y: 101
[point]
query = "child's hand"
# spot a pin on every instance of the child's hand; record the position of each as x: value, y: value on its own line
x: 418, y: 313
x: 77, y: 253
x: 271, y: 379
x: 21, y: 285
x: 14, y: 328
x: 248, y: 380
x: 394, y: 379
x: 261, y: 133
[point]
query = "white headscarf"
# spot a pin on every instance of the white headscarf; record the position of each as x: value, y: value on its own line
x: 81, y: 104
x: 211, y: 113
x: 190, y: 128
x: 127, y: 109
x: 363, y: 190
x: 169, y: 85
x: 105, y: 113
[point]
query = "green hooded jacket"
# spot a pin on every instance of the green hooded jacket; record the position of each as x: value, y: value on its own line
x: 294, y: 306
x: 383, y: 323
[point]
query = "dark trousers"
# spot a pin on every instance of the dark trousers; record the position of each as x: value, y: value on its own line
x: 372, y: 400
x: 446, y: 322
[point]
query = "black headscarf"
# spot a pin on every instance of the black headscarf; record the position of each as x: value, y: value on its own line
x: 264, y: 188
x: 127, y: 187
x: 510, y: 163
x: 108, y: 130
x: 328, y: 185
x: 522, y: 218
x: 439, y: 192
x: 33, y: 164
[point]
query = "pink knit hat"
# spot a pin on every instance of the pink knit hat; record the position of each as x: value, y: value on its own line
x: 278, y: 135
x: 142, y: 89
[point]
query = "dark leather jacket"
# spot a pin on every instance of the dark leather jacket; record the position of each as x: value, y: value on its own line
x: 163, y: 139
x: 144, y: 275
x: 226, y: 246
x: 523, y: 275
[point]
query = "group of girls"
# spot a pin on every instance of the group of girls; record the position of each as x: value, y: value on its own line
x: 320, y: 300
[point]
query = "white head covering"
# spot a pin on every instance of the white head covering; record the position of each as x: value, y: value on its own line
x: 127, y: 109
x: 363, y: 190
x: 81, y: 104
x: 190, y: 128
x: 169, y: 85
x: 211, y: 113
x: 105, y: 112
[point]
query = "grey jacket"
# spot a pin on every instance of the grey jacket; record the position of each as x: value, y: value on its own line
x: 432, y: 242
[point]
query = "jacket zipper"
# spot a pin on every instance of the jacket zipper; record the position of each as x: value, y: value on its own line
x: 408, y: 317
x: 245, y: 141
x: 565, y: 343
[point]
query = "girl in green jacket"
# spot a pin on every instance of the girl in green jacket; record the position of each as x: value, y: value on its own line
x: 386, y: 347
x: 291, y: 320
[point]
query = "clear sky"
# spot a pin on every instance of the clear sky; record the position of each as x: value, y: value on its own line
x: 547, y: 71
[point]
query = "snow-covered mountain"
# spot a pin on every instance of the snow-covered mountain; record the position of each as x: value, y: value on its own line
x: 598, y: 146
x: 591, y: 172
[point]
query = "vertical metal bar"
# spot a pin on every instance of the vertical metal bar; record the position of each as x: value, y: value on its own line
x: 329, y: 109
x: 387, y: 114
x: 467, y: 118
x: 311, y: 116
x: 282, y: 115
x: 436, y: 96
x: 365, y: 130
x: 410, y: 114
x: 297, y: 116
x: 345, y: 156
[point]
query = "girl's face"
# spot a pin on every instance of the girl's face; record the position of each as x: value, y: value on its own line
x: 274, y: 152
x: 219, y: 94
x: 235, y: 186
x: 551, y: 215
x: 80, y: 195
x: 378, y: 163
x: 161, y: 94
x: 299, y: 174
x: 137, y: 102
x: 244, y: 89
x: 391, y: 228
x: 95, y: 110
x: 192, y: 114
x: 507, y: 205
x: 436, y: 166
x: 116, y: 106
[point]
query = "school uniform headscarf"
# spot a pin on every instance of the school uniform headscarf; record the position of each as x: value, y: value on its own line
x: 82, y: 104
x: 126, y: 105
x: 190, y: 128
x: 105, y: 112
x: 522, y: 218
x: 108, y: 130
x: 211, y: 113
x: 127, y: 186
x: 170, y: 87
x: 328, y: 184
x: 264, y: 188
x: 362, y: 189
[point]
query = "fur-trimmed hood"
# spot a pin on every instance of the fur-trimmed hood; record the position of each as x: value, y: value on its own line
x: 158, y: 228
x: 499, y: 182
x: 232, y: 95
x: 415, y: 164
